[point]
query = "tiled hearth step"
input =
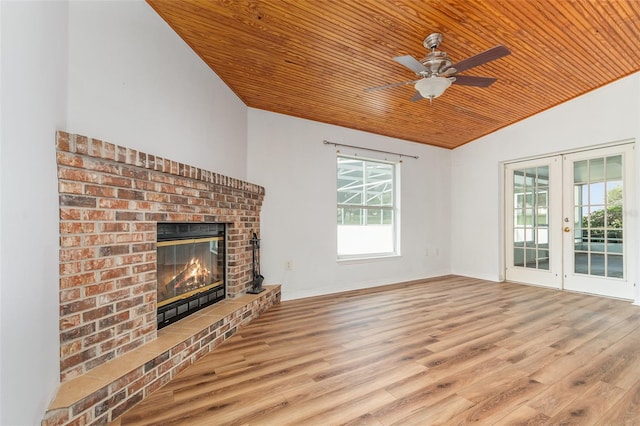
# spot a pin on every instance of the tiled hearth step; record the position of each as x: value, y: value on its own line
x: 106, y: 392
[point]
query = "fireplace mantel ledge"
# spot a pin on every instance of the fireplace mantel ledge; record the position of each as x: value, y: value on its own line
x: 107, y: 379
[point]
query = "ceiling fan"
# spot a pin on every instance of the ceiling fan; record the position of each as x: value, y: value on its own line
x: 437, y: 72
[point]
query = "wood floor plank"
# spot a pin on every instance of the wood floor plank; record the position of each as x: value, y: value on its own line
x: 524, y: 415
x: 575, y: 385
x: 461, y: 356
x: 446, y: 409
x: 498, y: 401
x: 462, y: 334
x: 453, y: 350
x: 349, y: 397
x: 415, y: 398
x: 625, y: 411
x: 590, y: 407
x: 582, y: 349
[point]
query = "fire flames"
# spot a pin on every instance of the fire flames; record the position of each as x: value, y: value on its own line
x: 194, y: 275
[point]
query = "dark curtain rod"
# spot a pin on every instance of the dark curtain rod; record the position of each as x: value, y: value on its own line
x: 369, y: 149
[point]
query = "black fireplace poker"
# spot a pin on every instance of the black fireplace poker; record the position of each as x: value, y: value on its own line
x: 256, y: 286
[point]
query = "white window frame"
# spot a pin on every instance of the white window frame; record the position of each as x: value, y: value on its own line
x: 394, y: 209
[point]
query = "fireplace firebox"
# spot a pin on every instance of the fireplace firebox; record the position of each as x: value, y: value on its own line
x: 191, y: 268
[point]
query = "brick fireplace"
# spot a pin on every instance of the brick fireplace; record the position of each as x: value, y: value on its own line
x: 111, y: 200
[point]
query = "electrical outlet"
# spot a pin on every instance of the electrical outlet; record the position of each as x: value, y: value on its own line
x: 289, y: 265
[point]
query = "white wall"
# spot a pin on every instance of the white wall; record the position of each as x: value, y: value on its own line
x: 288, y: 158
x: 111, y: 70
x: 33, y: 82
x: 135, y: 83
x: 605, y: 115
x: 637, y: 301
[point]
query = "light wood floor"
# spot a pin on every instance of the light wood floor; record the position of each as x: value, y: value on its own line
x: 448, y: 351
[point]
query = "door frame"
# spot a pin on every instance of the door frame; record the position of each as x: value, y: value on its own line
x: 551, y: 277
x: 633, y: 265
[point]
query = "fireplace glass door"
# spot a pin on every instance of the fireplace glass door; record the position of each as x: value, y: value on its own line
x: 190, y: 269
x: 187, y: 267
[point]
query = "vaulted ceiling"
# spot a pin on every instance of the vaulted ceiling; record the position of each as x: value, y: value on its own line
x: 314, y: 59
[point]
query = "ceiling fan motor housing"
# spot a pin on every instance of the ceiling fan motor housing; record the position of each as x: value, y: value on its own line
x: 437, y: 63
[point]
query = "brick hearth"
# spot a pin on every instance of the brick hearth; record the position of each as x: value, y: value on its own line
x: 108, y: 391
x: 111, y: 199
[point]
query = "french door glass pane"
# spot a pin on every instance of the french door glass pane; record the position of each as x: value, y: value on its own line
x: 581, y: 262
x: 614, y: 266
x: 580, y: 171
x: 614, y: 168
x: 596, y: 194
x: 531, y: 217
x: 543, y: 259
x: 597, y: 265
x: 542, y: 197
x: 598, y: 201
x: 518, y: 256
x: 596, y: 169
x: 543, y: 216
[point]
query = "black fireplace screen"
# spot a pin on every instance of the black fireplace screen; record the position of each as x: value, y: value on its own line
x: 190, y: 268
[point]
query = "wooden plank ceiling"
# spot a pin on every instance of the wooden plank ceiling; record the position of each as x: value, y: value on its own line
x: 314, y: 58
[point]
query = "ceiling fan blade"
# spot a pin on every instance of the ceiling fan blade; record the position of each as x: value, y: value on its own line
x: 481, y: 58
x: 468, y: 80
x: 412, y: 63
x: 387, y: 86
x: 416, y: 97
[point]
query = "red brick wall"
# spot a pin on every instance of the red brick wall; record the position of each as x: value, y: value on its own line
x: 110, y: 201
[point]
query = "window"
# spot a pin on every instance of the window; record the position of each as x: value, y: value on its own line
x: 367, y: 214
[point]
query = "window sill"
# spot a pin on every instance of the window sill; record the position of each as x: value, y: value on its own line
x: 367, y: 259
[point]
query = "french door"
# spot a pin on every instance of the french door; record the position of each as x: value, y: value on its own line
x: 568, y: 223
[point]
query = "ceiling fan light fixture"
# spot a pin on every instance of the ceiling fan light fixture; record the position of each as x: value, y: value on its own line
x: 432, y: 87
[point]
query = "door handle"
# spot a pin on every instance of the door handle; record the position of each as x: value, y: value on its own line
x: 567, y: 229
